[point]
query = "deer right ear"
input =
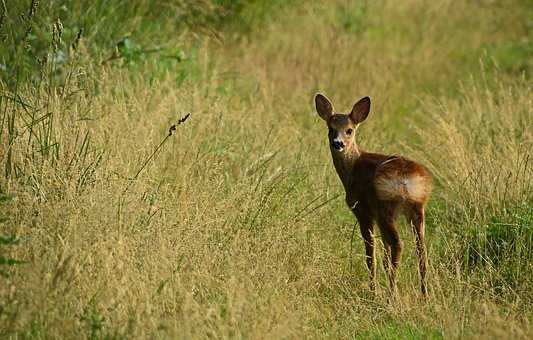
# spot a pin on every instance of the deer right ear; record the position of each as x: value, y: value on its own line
x: 360, y: 110
x: 323, y: 106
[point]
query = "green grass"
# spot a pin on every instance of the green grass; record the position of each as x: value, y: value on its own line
x: 237, y: 228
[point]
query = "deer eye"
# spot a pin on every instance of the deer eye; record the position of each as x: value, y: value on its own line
x: 349, y: 131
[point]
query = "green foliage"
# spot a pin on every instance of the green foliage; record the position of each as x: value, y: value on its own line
x: 394, y: 330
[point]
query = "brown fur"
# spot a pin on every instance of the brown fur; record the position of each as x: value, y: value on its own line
x: 378, y: 188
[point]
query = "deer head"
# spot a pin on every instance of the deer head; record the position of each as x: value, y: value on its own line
x: 342, y: 127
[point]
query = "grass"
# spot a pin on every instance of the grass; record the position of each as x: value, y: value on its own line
x: 237, y: 227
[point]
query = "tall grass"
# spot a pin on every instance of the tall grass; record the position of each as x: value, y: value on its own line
x: 237, y: 227
x: 480, y: 152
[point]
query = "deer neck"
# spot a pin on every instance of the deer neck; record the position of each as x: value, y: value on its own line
x: 344, y: 163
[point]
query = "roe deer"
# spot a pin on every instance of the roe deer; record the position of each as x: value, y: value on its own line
x: 378, y: 188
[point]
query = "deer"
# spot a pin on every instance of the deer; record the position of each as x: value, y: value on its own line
x: 378, y: 189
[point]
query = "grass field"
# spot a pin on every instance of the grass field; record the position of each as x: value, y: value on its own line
x: 235, y: 225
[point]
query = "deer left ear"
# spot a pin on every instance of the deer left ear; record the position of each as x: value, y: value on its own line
x: 324, y: 108
x: 360, y: 110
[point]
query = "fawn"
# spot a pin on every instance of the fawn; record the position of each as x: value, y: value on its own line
x: 378, y: 188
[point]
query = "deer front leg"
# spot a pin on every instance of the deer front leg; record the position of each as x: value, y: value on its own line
x: 367, y: 231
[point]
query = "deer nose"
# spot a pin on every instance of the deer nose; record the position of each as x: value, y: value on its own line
x: 337, y: 144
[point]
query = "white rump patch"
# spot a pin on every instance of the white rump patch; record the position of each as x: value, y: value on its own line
x: 413, y: 188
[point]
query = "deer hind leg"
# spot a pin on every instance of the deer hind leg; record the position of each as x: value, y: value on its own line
x: 416, y: 218
x: 391, y: 239
x: 367, y: 230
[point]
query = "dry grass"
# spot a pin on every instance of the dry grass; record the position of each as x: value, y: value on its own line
x: 237, y: 228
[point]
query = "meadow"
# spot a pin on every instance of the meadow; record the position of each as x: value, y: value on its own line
x: 115, y: 225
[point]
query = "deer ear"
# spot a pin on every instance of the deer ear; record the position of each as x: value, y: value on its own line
x: 360, y: 110
x: 323, y: 106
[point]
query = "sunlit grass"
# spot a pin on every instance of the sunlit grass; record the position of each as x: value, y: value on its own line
x: 237, y: 228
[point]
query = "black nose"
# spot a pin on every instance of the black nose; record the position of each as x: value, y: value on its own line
x: 338, y: 144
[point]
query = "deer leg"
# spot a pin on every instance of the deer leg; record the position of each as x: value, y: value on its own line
x: 367, y: 230
x: 387, y: 224
x: 416, y: 219
x: 396, y: 253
